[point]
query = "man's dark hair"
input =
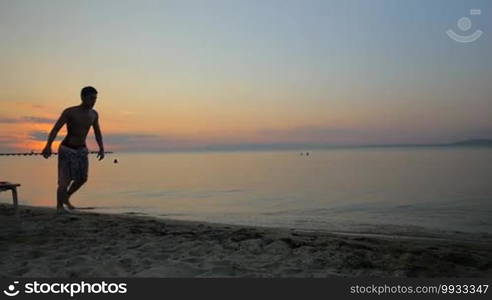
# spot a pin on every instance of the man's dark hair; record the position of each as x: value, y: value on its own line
x: 87, y: 91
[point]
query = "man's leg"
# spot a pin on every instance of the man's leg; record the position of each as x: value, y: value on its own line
x: 63, y: 180
x: 81, y: 174
x: 61, y: 197
x: 75, y: 186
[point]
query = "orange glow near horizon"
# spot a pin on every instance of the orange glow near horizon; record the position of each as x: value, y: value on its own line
x: 177, y: 126
x: 138, y: 122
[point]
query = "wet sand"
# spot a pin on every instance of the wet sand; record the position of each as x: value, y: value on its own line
x: 40, y: 243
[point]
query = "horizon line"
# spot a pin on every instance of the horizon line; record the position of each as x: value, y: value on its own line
x: 479, y: 142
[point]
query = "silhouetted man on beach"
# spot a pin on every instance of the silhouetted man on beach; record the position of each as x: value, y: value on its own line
x: 73, y: 163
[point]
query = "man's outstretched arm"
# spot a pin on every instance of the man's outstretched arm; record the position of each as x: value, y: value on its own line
x: 51, y: 137
x: 99, y: 139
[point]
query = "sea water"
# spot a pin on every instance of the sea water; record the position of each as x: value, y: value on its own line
x: 435, y: 188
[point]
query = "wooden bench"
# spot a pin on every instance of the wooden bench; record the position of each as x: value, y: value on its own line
x: 5, y: 186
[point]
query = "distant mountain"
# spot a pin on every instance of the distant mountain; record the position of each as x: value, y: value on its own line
x: 474, y: 142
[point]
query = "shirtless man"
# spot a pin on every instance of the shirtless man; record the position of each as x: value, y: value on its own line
x: 73, y: 163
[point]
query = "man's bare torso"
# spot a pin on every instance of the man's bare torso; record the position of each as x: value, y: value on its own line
x: 79, y: 121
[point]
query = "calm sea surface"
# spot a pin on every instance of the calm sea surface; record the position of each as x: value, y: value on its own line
x: 340, y: 190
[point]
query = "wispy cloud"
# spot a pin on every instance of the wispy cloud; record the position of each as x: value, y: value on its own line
x: 31, y: 119
x: 40, y: 136
x: 27, y: 119
x: 9, y: 120
x: 129, y: 141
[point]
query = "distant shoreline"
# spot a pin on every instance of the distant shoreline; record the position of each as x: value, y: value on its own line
x: 311, y: 147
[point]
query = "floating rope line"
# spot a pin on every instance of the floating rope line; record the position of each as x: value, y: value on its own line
x: 39, y: 153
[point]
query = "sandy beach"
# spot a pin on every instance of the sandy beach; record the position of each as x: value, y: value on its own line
x: 42, y: 244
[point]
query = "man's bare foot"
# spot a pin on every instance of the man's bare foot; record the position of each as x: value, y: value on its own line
x: 69, y: 205
x: 63, y: 211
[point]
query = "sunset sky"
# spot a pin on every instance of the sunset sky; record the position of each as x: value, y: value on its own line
x: 201, y: 74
